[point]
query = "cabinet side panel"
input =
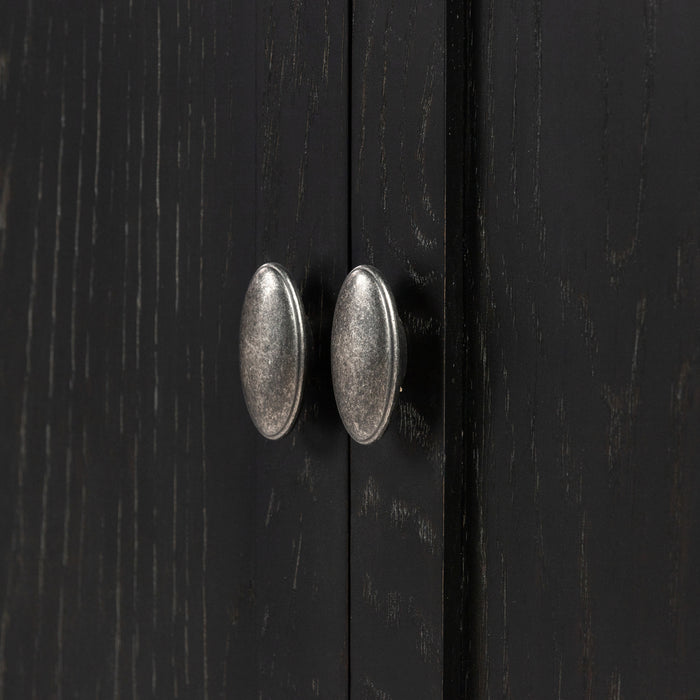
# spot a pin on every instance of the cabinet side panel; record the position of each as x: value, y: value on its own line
x: 588, y: 200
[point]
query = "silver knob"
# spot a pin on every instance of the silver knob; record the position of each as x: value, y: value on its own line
x: 273, y: 350
x: 368, y: 354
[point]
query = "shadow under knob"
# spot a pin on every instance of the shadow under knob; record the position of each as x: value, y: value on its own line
x: 273, y: 350
x: 368, y: 354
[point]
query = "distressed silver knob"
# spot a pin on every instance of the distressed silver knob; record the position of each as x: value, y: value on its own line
x: 368, y: 354
x: 273, y: 350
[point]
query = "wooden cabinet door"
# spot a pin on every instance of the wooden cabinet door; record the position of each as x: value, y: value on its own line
x: 152, y: 154
x: 407, y: 491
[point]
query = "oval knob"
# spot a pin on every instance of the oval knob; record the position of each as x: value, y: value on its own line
x: 273, y: 350
x: 368, y: 354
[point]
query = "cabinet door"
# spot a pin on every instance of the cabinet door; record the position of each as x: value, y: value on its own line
x: 151, y: 156
x: 407, y: 492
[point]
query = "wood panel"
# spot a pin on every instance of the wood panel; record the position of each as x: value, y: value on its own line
x: 151, y: 155
x: 586, y: 350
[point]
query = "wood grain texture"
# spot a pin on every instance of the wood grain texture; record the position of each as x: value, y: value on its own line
x: 400, y: 562
x: 585, y: 350
x: 526, y: 176
x: 151, y: 155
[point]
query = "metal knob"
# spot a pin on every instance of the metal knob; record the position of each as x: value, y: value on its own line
x: 273, y: 350
x: 368, y: 354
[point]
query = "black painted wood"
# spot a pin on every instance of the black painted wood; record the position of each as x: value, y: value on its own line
x: 151, y: 155
x: 397, y: 547
x: 527, y: 177
x: 585, y: 350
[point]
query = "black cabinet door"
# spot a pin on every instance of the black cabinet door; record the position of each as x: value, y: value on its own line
x: 407, y: 545
x: 152, y: 154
